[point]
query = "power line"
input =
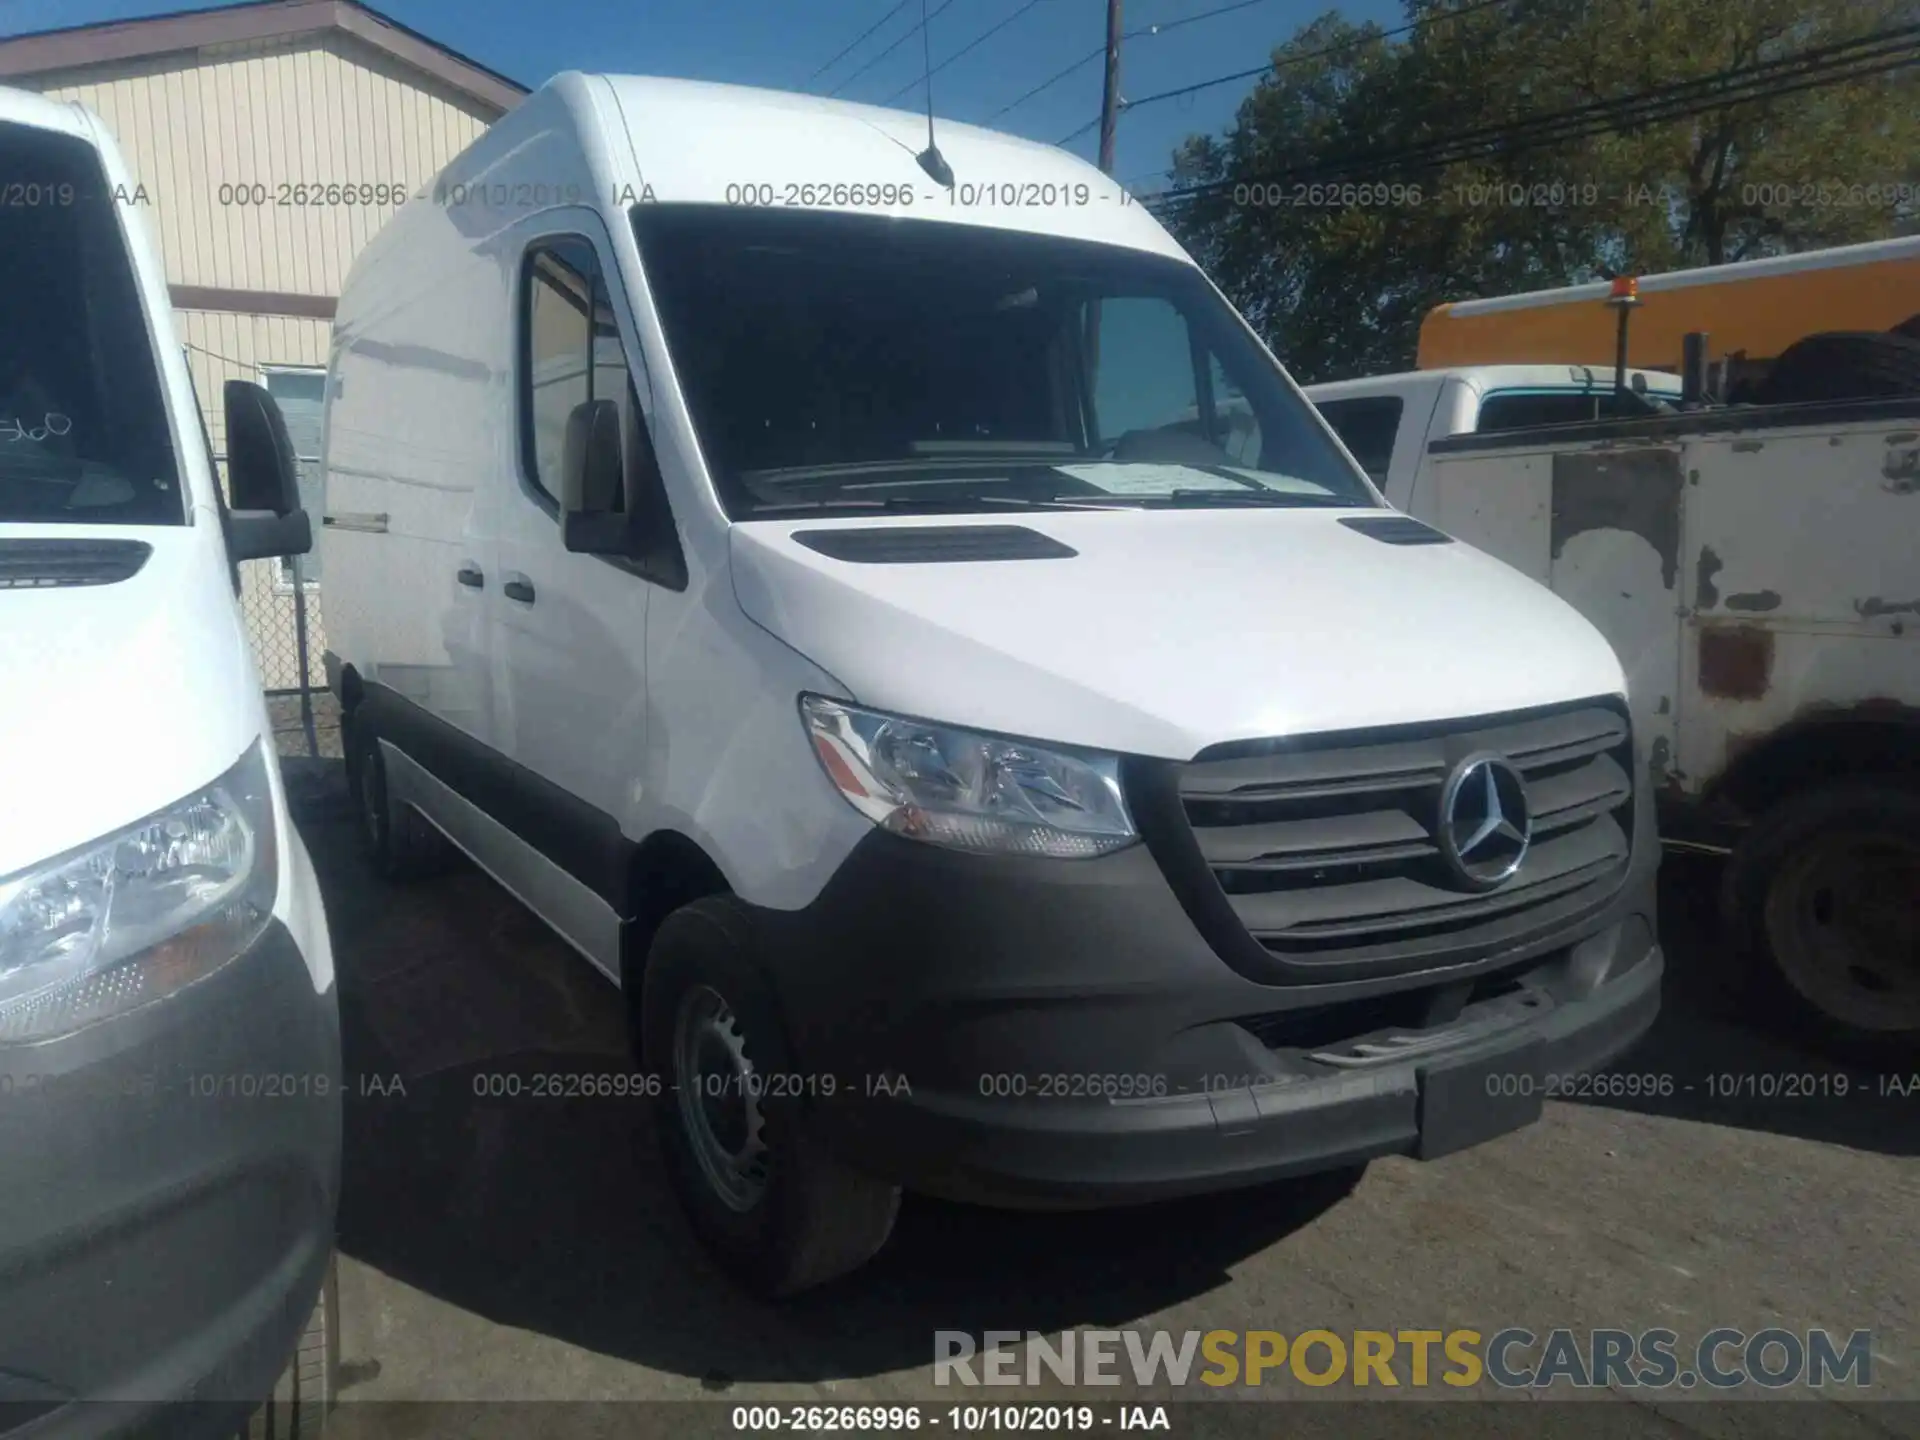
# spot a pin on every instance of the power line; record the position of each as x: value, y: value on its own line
x: 1878, y: 53
x: 973, y: 44
x: 216, y: 355
x: 1275, y: 65
x: 1143, y: 33
x: 913, y: 30
x: 854, y: 44
x: 1047, y: 84
x: 1680, y: 100
x: 1194, y: 19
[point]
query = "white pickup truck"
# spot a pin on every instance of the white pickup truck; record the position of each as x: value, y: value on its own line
x: 1756, y: 570
x: 1388, y: 421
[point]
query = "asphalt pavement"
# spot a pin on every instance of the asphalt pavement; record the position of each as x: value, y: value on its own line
x: 500, y: 1244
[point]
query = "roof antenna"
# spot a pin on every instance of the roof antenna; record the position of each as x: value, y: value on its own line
x: 931, y: 160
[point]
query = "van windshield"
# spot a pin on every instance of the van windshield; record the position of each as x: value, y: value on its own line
x: 851, y: 361
x: 83, y: 431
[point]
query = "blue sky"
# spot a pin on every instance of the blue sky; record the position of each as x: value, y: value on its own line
x: 780, y: 43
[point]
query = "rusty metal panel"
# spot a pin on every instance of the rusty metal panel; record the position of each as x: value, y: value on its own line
x: 1736, y: 661
x: 1624, y: 493
x: 1814, y: 524
x: 1746, y: 579
x: 1809, y: 673
x: 1801, y: 576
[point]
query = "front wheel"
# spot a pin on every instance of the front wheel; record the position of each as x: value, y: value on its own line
x: 776, y: 1212
x: 303, y: 1395
x: 1824, y: 893
x: 399, y: 842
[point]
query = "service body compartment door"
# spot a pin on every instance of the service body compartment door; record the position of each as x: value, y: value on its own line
x: 1803, y: 583
x: 1614, y: 555
x: 1601, y: 528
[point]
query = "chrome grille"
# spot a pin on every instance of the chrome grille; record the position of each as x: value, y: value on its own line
x: 1327, y: 848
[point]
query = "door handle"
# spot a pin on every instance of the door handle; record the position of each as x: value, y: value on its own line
x: 519, y: 589
x: 470, y: 577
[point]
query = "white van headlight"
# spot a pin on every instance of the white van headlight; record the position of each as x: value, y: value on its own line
x: 969, y: 791
x: 131, y: 918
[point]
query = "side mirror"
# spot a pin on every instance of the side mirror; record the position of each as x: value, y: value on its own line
x: 265, y: 518
x: 592, y: 483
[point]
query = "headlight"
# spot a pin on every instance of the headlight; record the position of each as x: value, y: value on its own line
x: 969, y: 791
x: 132, y: 918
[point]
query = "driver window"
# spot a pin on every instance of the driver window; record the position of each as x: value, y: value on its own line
x: 1140, y: 363
x: 559, y: 369
x: 573, y: 354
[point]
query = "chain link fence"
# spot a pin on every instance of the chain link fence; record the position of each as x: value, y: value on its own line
x: 288, y: 634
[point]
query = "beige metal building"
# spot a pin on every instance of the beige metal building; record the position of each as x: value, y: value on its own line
x: 269, y: 142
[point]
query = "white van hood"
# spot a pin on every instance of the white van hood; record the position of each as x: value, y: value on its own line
x: 117, y: 699
x: 1172, y: 631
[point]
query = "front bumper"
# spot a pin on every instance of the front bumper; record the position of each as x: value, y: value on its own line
x: 167, y: 1206
x: 1058, y: 1033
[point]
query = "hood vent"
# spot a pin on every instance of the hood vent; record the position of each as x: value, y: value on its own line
x: 933, y: 544
x: 1397, y: 530
x: 50, y: 564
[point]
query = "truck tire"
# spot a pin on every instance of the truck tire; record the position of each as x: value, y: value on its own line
x: 303, y: 1395
x: 1822, y: 897
x: 399, y: 842
x: 777, y: 1213
x: 1843, y: 365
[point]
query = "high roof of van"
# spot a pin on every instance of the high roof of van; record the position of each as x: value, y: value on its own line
x: 628, y: 138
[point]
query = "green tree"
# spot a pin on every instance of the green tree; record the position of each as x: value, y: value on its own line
x: 1334, y: 211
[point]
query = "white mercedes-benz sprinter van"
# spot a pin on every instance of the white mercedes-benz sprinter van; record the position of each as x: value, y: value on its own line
x: 822, y: 594
x: 170, y: 1089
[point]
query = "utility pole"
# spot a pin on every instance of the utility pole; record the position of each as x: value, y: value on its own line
x: 1109, y: 112
x: 1110, y: 97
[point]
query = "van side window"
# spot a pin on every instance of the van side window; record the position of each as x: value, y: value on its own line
x: 1367, y: 425
x: 573, y: 355
x: 558, y: 372
x: 570, y: 354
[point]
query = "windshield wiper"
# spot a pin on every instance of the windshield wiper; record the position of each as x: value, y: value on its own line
x: 922, y: 504
x: 1284, y: 499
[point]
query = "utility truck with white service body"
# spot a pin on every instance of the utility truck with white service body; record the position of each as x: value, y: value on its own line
x: 1755, y: 568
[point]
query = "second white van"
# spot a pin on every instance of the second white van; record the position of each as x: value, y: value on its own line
x: 817, y: 573
x: 170, y: 1082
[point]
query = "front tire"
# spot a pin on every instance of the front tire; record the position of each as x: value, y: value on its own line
x: 1823, y: 895
x: 399, y: 843
x: 776, y: 1212
x: 304, y: 1394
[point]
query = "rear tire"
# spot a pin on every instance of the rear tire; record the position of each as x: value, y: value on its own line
x: 400, y: 844
x: 1822, y: 898
x: 776, y: 1212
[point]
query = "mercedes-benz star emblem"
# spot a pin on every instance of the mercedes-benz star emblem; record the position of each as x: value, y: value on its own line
x: 1485, y: 824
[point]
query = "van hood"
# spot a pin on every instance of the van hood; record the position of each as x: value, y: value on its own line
x: 116, y: 697
x: 1169, y: 631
